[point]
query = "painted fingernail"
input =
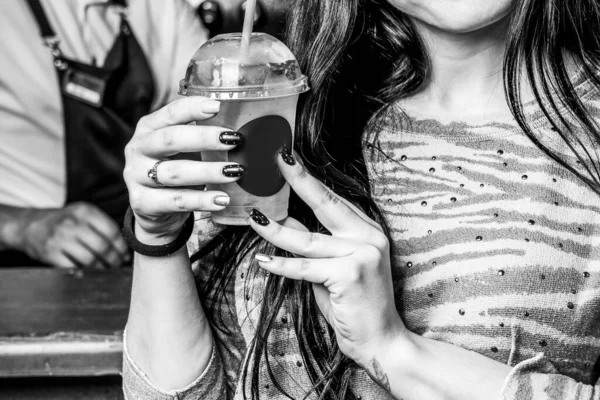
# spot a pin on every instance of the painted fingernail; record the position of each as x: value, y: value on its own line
x: 230, y: 138
x: 234, y: 171
x: 287, y: 156
x: 263, y: 257
x: 259, y: 217
x: 222, y: 200
x: 210, y: 107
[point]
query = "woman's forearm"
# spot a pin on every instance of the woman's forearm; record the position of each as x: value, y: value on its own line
x: 417, y: 368
x: 168, y: 335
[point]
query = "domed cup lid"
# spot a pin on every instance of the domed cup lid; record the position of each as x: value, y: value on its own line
x: 218, y: 70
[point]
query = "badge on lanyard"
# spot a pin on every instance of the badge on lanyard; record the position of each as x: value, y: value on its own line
x: 84, y: 87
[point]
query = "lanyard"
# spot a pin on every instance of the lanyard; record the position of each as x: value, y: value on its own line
x: 49, y: 37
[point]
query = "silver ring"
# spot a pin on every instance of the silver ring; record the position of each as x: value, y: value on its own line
x: 153, y: 174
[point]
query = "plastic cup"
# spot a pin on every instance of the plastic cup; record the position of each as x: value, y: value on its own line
x: 258, y: 94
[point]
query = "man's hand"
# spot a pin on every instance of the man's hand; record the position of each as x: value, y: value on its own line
x: 78, y: 235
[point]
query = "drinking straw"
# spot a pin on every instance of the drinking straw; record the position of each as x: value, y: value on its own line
x: 248, y: 26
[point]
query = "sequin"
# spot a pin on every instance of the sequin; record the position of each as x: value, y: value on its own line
x: 369, y: 146
x: 560, y: 245
x: 524, y: 177
x: 573, y: 291
x: 267, y: 386
x: 453, y: 199
x: 526, y: 314
x: 494, y: 349
x: 482, y: 185
x: 570, y: 305
x: 461, y: 311
x: 501, y: 272
x: 424, y: 203
x: 281, y: 354
x: 430, y: 295
x: 553, y: 179
x: 505, y: 164
x: 242, y: 276
x: 542, y: 276
x: 299, y: 363
x: 434, y: 158
x: 389, y: 200
x: 462, y: 185
x: 586, y: 274
x: 247, y: 297
x: 432, y: 170
x: 556, y: 203
x: 531, y: 222
x: 284, y: 320
x: 403, y: 158
x: 479, y: 238
x: 455, y: 279
x: 409, y: 264
x: 580, y: 229
x: 500, y: 152
x: 434, y: 263
x: 496, y: 215
x: 527, y: 240
x: 459, y: 168
x: 501, y: 324
x: 430, y: 231
x: 543, y: 343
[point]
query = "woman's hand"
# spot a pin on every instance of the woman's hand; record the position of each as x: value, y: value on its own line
x: 350, y: 269
x: 161, y: 209
x: 168, y: 334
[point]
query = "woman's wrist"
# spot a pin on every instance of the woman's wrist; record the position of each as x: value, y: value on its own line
x: 392, y: 358
x: 155, y: 238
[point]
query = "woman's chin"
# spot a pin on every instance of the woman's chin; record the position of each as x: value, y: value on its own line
x: 455, y: 16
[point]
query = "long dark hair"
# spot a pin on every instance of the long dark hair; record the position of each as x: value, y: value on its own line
x: 361, y: 56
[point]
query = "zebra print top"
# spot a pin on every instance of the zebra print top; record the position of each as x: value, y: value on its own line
x: 496, y: 250
x: 497, y: 246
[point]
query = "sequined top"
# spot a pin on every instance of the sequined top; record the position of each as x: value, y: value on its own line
x: 496, y: 251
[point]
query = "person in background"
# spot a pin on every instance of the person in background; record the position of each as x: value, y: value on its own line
x: 76, y: 77
x: 443, y: 239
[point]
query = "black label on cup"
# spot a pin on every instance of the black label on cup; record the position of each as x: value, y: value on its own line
x: 263, y: 138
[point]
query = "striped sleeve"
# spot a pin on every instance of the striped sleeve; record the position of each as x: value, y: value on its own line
x: 537, y: 379
x: 210, y: 385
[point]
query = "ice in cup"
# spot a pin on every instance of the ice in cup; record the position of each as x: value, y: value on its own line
x: 258, y: 90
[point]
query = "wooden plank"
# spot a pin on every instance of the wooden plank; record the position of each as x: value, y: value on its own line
x: 62, y: 323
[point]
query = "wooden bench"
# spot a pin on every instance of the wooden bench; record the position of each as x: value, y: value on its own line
x: 62, y: 323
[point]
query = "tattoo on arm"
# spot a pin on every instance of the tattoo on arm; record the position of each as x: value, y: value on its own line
x: 380, y: 375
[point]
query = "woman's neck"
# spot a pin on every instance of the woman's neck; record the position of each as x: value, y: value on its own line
x: 465, y: 76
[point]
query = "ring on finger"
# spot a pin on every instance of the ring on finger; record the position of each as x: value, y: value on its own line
x: 153, y: 173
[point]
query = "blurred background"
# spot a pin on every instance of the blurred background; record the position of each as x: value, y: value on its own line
x: 61, y: 330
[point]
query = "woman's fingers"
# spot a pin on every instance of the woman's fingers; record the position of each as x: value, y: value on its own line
x: 177, y: 173
x: 167, y: 201
x: 293, y: 223
x: 334, y: 214
x: 314, y: 270
x: 355, y: 209
x: 300, y: 242
x: 176, y: 139
x: 180, y: 112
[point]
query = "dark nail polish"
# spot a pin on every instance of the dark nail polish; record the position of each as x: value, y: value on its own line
x: 287, y: 156
x: 259, y: 217
x: 230, y: 138
x: 234, y: 171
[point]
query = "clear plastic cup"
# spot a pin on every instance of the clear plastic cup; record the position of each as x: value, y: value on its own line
x: 258, y: 94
